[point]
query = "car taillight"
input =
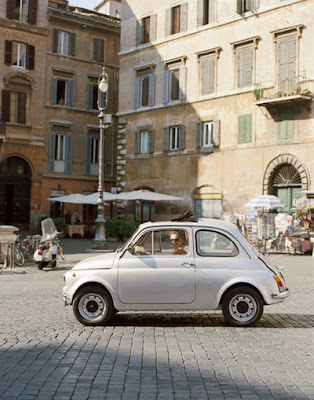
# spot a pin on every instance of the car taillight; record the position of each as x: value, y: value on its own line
x: 40, y: 252
x: 280, y: 284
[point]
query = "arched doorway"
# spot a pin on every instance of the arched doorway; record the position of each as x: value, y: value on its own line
x: 15, y: 191
x: 287, y: 185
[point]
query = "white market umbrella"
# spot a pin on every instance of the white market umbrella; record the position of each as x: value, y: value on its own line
x: 93, y: 198
x: 70, y: 198
x: 145, y: 195
x: 268, y: 202
x: 78, y: 198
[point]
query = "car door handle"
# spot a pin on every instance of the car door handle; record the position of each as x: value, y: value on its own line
x: 186, y: 264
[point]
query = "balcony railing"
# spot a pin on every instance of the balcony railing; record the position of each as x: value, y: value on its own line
x: 290, y: 90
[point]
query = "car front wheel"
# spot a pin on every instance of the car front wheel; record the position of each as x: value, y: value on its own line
x: 242, y: 306
x: 93, y: 306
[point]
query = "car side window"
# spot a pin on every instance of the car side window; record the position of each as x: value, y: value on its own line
x: 163, y: 242
x: 214, y: 244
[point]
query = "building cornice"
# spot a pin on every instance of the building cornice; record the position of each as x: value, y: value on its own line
x: 23, y: 26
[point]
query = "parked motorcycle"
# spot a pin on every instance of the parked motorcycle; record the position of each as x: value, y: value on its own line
x: 49, y: 246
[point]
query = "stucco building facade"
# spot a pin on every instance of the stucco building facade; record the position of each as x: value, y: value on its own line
x: 215, y: 102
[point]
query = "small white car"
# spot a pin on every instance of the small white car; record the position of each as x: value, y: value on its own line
x: 177, y: 266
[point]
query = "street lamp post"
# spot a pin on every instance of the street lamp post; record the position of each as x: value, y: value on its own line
x: 100, y: 242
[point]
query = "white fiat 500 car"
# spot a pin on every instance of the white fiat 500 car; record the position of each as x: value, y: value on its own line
x: 176, y: 266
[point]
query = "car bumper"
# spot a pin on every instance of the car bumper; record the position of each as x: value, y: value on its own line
x: 65, y: 298
x: 281, y: 295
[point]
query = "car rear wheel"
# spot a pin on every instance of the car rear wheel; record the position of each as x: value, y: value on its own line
x: 93, y: 306
x: 242, y: 306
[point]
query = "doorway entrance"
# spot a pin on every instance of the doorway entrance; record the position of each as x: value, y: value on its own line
x: 15, y: 192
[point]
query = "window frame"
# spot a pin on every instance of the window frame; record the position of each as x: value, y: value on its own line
x: 140, y: 144
x: 142, y: 76
x: 170, y: 67
x: 19, y: 57
x: 214, y: 254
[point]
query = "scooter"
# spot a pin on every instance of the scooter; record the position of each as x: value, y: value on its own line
x: 49, y: 246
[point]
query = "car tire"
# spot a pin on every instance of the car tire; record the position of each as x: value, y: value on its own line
x: 93, y: 306
x: 242, y: 306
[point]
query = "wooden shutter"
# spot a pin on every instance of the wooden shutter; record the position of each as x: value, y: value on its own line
x: 245, y: 67
x: 183, y: 17
x: 211, y: 11
x: 5, y: 106
x: 68, y: 154
x: 8, y: 52
x: 286, y: 64
x: 151, y: 93
x: 21, y: 107
x: 151, y: 137
x: 30, y: 64
x: 32, y: 15
x: 152, y: 27
x: 55, y: 36
x: 207, y: 75
x: 137, y: 142
x: 182, y: 82
x: 286, y: 123
x: 168, y: 22
x: 248, y: 128
x: 136, y: 95
x: 88, y: 145
x: 199, y: 13
x: 98, y: 49
x: 165, y: 86
x: 198, y: 134
x: 216, y: 133
x: 239, y: 6
x: 72, y: 44
x: 89, y: 99
x: 53, y: 93
x: 166, y: 139
x: 10, y: 9
x: 181, y: 137
x: 138, y: 33
x: 70, y: 93
x: 241, y: 129
x: 51, y: 151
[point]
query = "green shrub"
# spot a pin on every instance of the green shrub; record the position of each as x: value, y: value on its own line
x: 60, y: 224
x: 120, y: 229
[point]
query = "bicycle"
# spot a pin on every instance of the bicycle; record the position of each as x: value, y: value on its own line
x: 19, y: 258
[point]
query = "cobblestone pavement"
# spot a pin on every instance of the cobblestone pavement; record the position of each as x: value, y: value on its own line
x: 46, y: 354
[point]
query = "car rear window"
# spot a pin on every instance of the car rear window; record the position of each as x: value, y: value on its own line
x: 214, y: 244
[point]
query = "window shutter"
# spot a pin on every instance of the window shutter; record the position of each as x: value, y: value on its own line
x: 72, y: 44
x: 241, y: 126
x: 165, y: 87
x: 151, y: 94
x: 70, y: 93
x: 51, y: 155
x: 53, y: 94
x: 211, y: 11
x: 10, y: 9
x: 198, y: 134
x: 182, y: 83
x: 98, y: 49
x: 200, y: 13
x: 8, y: 52
x: 88, y: 143
x: 68, y: 154
x: 32, y: 16
x: 248, y: 128
x: 137, y: 142
x: 30, y: 57
x: 152, y: 27
x: 168, y: 22
x: 248, y: 65
x: 21, y: 108
x: 239, y: 7
x: 216, y: 133
x: 208, y: 75
x: 138, y: 33
x: 183, y: 17
x: 166, y: 139
x: 89, y: 100
x: 151, y: 136
x: 240, y: 67
x: 136, y: 97
x: 55, y: 36
x: 248, y: 5
x: 181, y: 137
x: 5, y: 103
x: 290, y: 123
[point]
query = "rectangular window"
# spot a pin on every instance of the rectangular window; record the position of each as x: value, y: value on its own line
x: 244, y: 6
x: 205, y: 12
x: 175, y: 20
x: 207, y: 134
x: 174, y: 138
x: 145, y: 29
x: 144, y: 89
x: 17, y: 107
x: 63, y: 42
x: 62, y: 92
x: 21, y: 10
x: 286, y: 123
x: 60, y: 153
x: 98, y: 50
x: 60, y: 148
x: 144, y: 146
x: 244, y: 67
x: 19, y: 54
x: 245, y: 128
x: 287, y: 53
x: 144, y: 142
x: 174, y: 84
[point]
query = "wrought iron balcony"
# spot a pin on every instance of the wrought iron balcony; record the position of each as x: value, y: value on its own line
x: 295, y: 90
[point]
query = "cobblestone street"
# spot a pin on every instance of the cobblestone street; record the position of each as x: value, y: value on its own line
x: 46, y: 354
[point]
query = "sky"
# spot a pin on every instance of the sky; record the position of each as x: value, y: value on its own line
x: 88, y: 4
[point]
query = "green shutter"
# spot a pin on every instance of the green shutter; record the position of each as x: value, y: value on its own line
x: 245, y: 67
x: 286, y: 123
x: 165, y: 86
x: 72, y: 44
x: 137, y: 142
x: 151, y: 136
x: 166, y: 139
x: 138, y: 35
x: 51, y: 152
x: 68, y: 154
x: 151, y: 93
x: 216, y: 133
x: 181, y: 137
x: 198, y: 134
x: 53, y: 93
x: 55, y: 40
x: 70, y: 93
x: 286, y: 51
x: 136, y: 95
x: 245, y: 128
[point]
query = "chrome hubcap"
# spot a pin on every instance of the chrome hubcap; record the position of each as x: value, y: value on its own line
x: 243, y: 307
x: 92, y: 306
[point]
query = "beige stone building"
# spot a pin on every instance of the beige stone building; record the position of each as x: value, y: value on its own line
x: 23, y: 30
x: 80, y: 42
x: 215, y: 102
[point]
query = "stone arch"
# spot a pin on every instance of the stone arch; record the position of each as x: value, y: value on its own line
x: 278, y: 162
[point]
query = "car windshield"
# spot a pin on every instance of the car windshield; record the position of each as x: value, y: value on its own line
x: 48, y: 229
x: 126, y: 244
